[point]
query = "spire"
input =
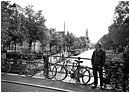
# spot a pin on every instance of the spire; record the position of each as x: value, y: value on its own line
x: 64, y: 26
x: 86, y: 32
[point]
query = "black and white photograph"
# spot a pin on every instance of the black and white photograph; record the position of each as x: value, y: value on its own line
x: 64, y: 46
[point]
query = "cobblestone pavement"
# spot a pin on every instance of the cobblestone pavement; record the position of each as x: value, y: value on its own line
x: 12, y: 87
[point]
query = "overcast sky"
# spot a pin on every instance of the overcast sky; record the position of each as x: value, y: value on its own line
x: 79, y: 15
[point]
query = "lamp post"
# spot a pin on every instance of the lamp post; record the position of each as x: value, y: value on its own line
x: 64, y: 37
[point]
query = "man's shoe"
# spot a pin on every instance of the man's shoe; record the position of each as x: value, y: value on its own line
x: 94, y: 87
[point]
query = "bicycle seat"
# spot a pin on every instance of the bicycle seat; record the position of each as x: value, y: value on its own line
x: 78, y: 61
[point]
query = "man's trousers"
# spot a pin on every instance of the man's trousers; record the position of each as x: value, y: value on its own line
x: 97, y: 69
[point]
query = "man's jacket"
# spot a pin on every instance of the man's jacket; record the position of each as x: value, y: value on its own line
x: 98, y: 58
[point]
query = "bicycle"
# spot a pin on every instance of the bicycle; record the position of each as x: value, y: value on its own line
x: 116, y: 81
x: 5, y: 66
x: 112, y: 76
x: 34, y: 67
x: 81, y: 72
x: 74, y: 71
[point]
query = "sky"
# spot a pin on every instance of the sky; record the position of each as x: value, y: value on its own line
x: 78, y: 15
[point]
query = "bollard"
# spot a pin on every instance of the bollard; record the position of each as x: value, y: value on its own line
x: 46, y: 60
x: 78, y: 67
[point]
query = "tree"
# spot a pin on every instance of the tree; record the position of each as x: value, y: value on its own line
x: 17, y: 27
x: 11, y: 24
x: 118, y: 31
x: 121, y: 12
x: 56, y: 40
x: 106, y: 41
x: 83, y: 42
x: 69, y: 40
x: 35, y: 26
x: 5, y: 21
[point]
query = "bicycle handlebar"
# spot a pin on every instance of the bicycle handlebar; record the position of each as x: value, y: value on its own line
x: 78, y: 61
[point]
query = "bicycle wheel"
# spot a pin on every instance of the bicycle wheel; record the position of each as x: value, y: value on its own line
x: 91, y: 81
x: 61, y: 72
x: 5, y: 67
x: 116, y: 80
x: 86, y: 76
x: 30, y: 69
x: 83, y: 75
x: 51, y: 71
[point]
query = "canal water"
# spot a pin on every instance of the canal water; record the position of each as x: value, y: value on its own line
x: 86, y: 54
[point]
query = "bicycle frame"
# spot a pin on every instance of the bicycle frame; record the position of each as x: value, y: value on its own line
x: 75, y: 71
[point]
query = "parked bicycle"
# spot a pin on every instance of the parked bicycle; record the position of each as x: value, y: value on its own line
x: 116, y: 81
x: 33, y: 67
x: 61, y: 69
x: 73, y: 70
x: 5, y: 66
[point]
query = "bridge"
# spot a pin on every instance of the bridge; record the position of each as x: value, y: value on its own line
x: 20, y: 83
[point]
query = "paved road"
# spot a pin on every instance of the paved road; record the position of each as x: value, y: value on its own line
x: 13, y: 83
x: 11, y: 87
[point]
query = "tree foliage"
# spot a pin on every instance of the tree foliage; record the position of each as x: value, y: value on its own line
x: 29, y: 26
x: 18, y: 27
x: 35, y: 25
x: 5, y: 21
x: 106, y: 41
x: 118, y: 31
x: 70, y: 38
x: 11, y: 24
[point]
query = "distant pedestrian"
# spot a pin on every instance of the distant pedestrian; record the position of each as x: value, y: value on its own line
x: 3, y: 54
x: 98, y: 60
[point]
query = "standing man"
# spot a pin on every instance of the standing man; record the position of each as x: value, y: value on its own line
x: 98, y: 60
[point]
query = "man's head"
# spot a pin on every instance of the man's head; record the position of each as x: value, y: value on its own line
x: 98, y: 46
